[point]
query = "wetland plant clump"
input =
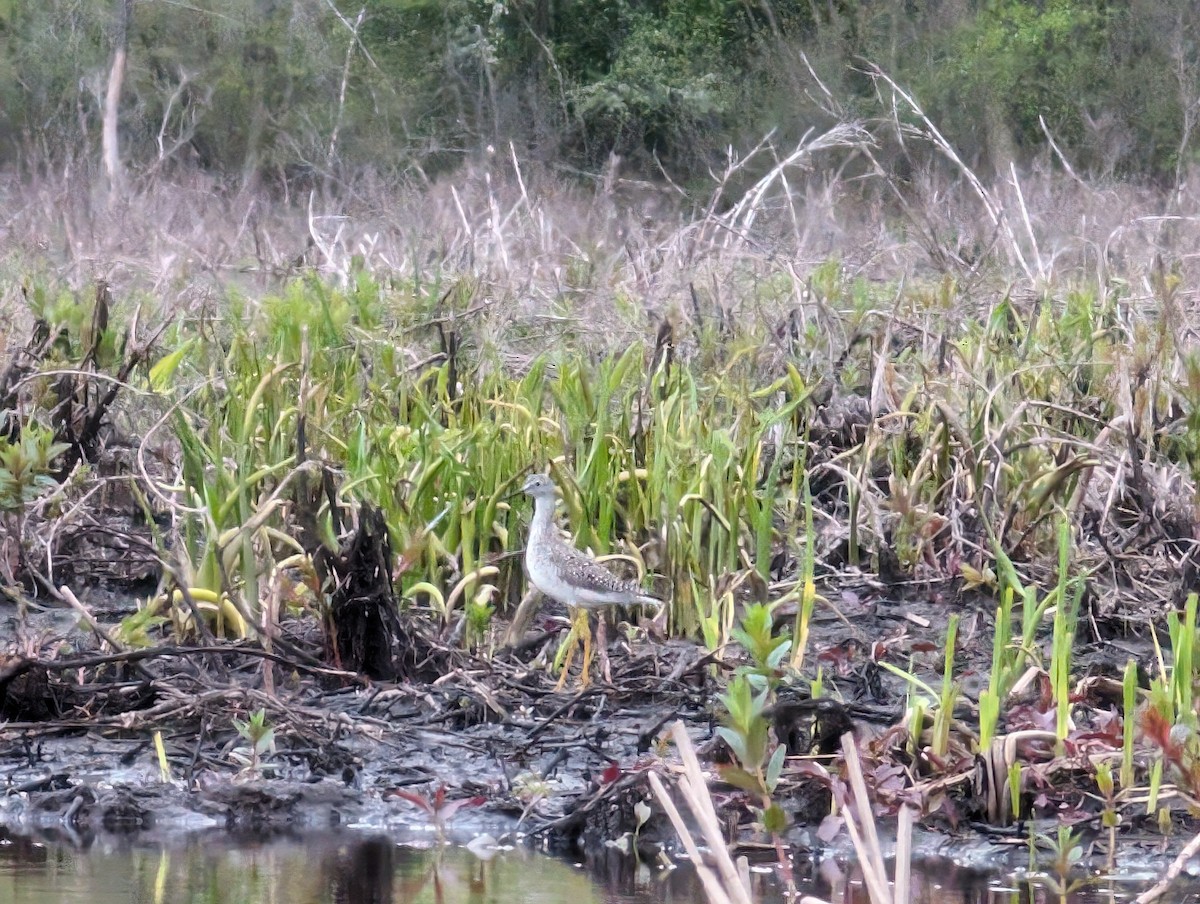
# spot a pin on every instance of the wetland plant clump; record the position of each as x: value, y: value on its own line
x: 945, y: 505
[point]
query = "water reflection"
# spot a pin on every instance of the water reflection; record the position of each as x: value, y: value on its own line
x: 339, y: 869
x: 357, y: 869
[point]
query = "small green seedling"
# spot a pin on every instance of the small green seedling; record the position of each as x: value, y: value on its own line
x: 260, y: 739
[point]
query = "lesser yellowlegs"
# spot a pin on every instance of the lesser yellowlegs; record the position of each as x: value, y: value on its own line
x: 564, y: 573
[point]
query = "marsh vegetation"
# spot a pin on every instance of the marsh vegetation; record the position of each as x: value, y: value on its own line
x: 907, y: 440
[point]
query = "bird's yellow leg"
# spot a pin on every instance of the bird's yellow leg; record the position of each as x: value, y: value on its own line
x: 566, y: 653
x: 586, y: 630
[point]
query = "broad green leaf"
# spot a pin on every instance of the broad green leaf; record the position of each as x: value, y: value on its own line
x: 775, y: 767
x: 165, y: 367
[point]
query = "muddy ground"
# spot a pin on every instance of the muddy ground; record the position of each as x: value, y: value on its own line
x: 564, y: 769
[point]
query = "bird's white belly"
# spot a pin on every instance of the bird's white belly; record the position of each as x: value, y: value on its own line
x: 549, y: 581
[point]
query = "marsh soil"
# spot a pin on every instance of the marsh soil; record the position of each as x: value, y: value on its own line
x: 79, y: 747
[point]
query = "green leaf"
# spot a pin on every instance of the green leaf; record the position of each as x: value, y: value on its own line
x: 165, y: 367
x: 735, y: 742
x: 779, y: 653
x: 740, y: 778
x: 774, y: 820
x: 775, y: 767
x: 264, y: 742
x: 8, y: 490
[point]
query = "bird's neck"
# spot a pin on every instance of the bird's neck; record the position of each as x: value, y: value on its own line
x: 543, y: 518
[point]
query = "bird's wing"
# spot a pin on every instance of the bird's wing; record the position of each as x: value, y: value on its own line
x: 592, y: 577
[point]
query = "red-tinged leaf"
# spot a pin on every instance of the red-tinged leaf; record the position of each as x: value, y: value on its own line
x: 611, y: 773
x: 1157, y: 729
x: 1045, y: 692
x: 889, y: 778
x: 924, y: 646
x: 841, y: 656
x: 1046, y: 721
x: 1110, y: 724
x: 896, y: 736
x: 446, y: 812
x: 1095, y: 740
x: 1034, y: 776
x: 1074, y: 815
x: 938, y: 763
x: 840, y: 791
x: 837, y: 654
x: 1018, y: 716
x: 419, y: 800
x: 810, y: 768
x: 934, y: 524
x: 829, y: 828
x: 949, y: 809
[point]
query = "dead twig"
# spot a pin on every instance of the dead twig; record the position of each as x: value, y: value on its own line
x: 1159, y: 888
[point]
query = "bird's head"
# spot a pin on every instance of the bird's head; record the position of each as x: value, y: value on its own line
x: 539, y: 486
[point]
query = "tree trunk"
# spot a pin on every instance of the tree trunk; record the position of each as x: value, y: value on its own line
x: 109, y: 145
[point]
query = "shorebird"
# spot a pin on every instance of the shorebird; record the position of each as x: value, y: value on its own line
x: 562, y: 572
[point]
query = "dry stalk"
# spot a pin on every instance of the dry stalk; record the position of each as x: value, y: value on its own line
x: 729, y: 887
x: 902, y: 886
x: 331, y: 154
x: 1043, y: 274
x: 330, y: 248
x: 868, y: 847
x: 866, y: 842
x: 1062, y: 158
x: 713, y: 889
x: 740, y: 218
x: 995, y: 210
x: 73, y: 601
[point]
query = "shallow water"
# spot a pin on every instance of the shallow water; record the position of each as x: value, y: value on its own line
x: 340, y: 869
x: 357, y: 869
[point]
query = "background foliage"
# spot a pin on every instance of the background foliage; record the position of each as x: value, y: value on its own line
x: 259, y: 90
